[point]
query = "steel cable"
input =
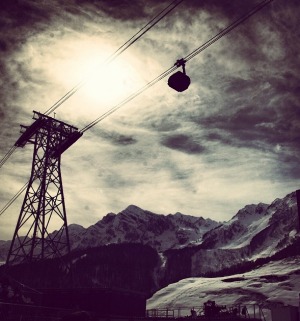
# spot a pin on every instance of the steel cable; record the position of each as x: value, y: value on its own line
x: 118, y: 52
x: 124, y: 47
x: 161, y: 76
x: 187, y: 58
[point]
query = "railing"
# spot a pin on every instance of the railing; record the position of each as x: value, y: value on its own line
x: 28, y: 312
x: 246, y: 311
x: 172, y: 312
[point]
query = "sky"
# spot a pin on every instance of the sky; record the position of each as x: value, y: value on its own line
x: 231, y: 139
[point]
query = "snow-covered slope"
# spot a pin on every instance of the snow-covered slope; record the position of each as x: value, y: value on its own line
x: 256, y: 231
x: 259, y: 230
x: 275, y: 283
x: 237, y: 232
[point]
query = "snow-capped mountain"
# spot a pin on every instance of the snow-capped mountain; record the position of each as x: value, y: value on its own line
x: 236, y: 232
x: 255, y: 231
x: 140, y: 250
x: 258, y: 229
x: 191, y: 246
x: 135, y: 225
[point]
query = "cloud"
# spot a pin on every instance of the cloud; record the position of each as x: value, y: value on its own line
x: 115, y: 137
x: 183, y: 143
x: 231, y: 139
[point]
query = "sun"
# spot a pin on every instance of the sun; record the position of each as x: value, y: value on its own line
x: 108, y: 83
x: 101, y: 83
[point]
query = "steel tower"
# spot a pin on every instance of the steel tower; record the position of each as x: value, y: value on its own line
x: 42, y: 231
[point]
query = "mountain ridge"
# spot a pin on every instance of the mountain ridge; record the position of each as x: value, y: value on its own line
x: 256, y: 229
x: 144, y: 251
x: 134, y: 224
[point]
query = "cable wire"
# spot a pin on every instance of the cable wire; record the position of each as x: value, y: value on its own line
x: 227, y: 29
x: 124, y: 47
x: 13, y: 199
x: 118, y: 52
x: 160, y: 77
x: 7, y: 155
x: 177, y: 65
x: 128, y: 99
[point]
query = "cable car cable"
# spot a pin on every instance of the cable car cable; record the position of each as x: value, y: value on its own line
x: 124, y: 47
x: 7, y: 155
x: 161, y: 76
x: 178, y: 64
x: 128, y: 99
x: 14, y: 198
x: 227, y: 29
x: 118, y: 52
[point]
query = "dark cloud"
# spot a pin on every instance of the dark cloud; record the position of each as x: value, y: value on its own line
x: 20, y: 19
x: 255, y: 103
x: 164, y: 124
x: 217, y: 135
x: 183, y: 143
x: 116, y: 138
x: 20, y: 13
x: 287, y: 168
x: 117, y: 9
x: 251, y: 126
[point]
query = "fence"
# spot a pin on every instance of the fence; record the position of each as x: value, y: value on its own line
x: 27, y: 312
x: 246, y: 311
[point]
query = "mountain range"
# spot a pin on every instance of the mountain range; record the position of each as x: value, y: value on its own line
x: 144, y: 251
x: 255, y: 231
x: 135, y: 225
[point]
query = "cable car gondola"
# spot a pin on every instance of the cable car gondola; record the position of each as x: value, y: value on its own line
x: 179, y: 81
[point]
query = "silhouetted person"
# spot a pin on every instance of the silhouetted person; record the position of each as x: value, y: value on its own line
x: 193, y: 313
x: 244, y: 311
x: 235, y: 311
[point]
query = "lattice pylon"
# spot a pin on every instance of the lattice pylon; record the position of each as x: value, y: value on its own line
x: 42, y: 231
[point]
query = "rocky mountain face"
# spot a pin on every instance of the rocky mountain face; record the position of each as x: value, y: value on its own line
x: 135, y: 225
x: 259, y: 229
x: 140, y: 250
x: 255, y: 232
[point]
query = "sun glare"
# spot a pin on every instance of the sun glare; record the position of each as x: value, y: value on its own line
x: 104, y: 84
